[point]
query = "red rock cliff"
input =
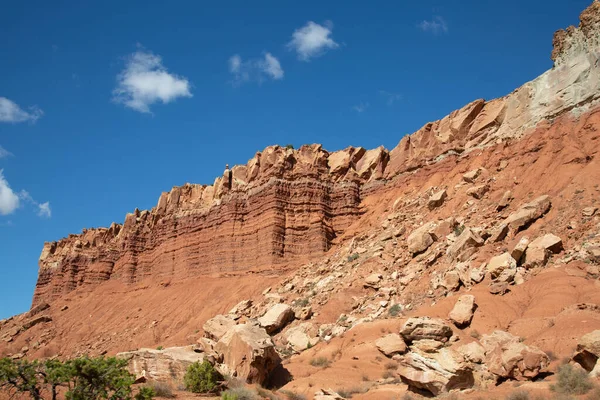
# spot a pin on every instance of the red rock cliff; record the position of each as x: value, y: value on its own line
x: 285, y: 204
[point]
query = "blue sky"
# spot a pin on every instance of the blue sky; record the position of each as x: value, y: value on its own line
x: 104, y: 105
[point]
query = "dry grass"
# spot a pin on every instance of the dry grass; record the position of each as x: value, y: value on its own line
x: 572, y: 381
x: 320, y: 362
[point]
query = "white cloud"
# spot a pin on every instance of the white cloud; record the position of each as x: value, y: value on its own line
x: 11, y: 112
x: 9, y: 201
x: 256, y: 69
x: 362, y: 107
x: 43, y: 209
x: 391, y: 97
x: 272, y: 66
x: 312, y: 40
x: 4, y: 152
x: 436, y: 26
x: 235, y: 64
x: 145, y: 81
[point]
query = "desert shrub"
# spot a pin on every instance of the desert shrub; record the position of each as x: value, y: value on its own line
x: 266, y: 394
x: 572, y: 381
x: 292, y: 396
x: 98, y: 378
x: 387, y: 374
x: 301, y: 302
x: 348, y: 393
x: 159, y: 348
x: 353, y: 257
x: 289, y: 146
x: 240, y: 393
x: 145, y: 393
x: 391, y: 365
x: 84, y: 378
x: 518, y: 395
x: 395, y: 310
x: 475, y: 334
x: 459, y: 229
x: 162, y: 389
x: 320, y: 362
x: 201, y: 378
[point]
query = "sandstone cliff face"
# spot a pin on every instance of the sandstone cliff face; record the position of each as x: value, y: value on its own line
x: 285, y: 204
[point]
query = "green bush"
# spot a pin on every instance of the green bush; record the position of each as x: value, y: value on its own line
x: 99, y: 378
x: 395, y: 310
x: 145, y: 393
x: 21, y: 377
x: 201, y: 378
x: 572, y: 381
x: 353, y: 257
x: 83, y: 378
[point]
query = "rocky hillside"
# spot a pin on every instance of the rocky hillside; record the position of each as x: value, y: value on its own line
x: 287, y: 204
x: 468, y: 255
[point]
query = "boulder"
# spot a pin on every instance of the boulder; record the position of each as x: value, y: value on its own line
x: 437, y: 372
x: 478, y: 191
x: 420, y: 239
x: 418, y: 328
x: 391, y: 344
x: 36, y: 320
x: 588, y: 351
x: 462, y: 313
x: 470, y: 176
x: 277, y: 317
x: 519, y: 249
x: 301, y: 337
x: 248, y: 353
x: 549, y: 242
x: 437, y: 199
x: 241, y: 308
x: 451, y: 280
x: 589, y: 211
x: 535, y: 257
x: 505, y: 201
x: 217, y: 326
x: 477, y: 274
x: 373, y: 281
x: 427, y: 345
x: 498, y: 264
x: 528, y: 213
x: 473, y: 352
x: 500, y: 288
x: 499, y: 233
x: 165, y: 365
x: 327, y: 394
x: 465, y: 245
x: 507, y: 357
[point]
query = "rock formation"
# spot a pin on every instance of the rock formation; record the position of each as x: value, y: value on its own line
x: 286, y: 203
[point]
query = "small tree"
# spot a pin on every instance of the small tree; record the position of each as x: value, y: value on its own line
x: 55, y: 374
x: 99, y: 378
x: 21, y: 376
x: 201, y: 378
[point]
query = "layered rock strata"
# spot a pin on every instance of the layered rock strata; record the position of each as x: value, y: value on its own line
x: 285, y: 204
